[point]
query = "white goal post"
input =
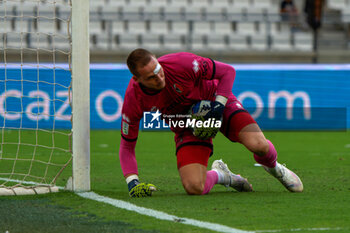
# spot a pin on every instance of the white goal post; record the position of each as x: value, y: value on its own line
x: 81, y: 95
x: 40, y: 141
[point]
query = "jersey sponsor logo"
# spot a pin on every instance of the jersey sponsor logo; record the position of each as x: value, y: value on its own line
x: 178, y: 88
x: 195, y: 66
x: 125, y: 127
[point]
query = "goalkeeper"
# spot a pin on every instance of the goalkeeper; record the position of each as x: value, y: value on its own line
x: 172, y: 84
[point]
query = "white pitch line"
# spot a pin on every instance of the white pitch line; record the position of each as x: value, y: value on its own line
x: 159, y: 214
x: 164, y: 216
x: 302, y: 229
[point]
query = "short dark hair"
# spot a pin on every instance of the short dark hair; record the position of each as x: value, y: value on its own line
x: 138, y: 58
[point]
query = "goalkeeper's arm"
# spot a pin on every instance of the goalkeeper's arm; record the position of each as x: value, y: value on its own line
x: 226, y: 75
x: 129, y: 167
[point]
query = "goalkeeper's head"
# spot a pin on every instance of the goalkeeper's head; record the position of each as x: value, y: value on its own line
x: 146, y: 69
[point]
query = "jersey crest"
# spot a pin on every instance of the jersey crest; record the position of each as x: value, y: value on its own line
x: 178, y: 88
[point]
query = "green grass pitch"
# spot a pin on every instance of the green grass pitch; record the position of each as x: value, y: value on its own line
x: 321, y: 159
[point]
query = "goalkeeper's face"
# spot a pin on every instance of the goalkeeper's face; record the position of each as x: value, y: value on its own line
x: 151, y: 75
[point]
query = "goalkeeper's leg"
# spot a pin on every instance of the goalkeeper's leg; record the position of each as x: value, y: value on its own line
x: 192, y: 161
x: 239, y: 126
x: 266, y: 155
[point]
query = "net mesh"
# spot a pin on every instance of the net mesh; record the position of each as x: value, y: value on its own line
x: 35, y: 93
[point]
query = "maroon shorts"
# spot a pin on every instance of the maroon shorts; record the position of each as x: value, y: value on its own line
x: 235, y: 118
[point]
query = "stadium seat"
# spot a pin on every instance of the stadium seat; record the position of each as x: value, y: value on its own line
x: 284, y: 27
x: 273, y: 14
x: 181, y: 27
x: 110, y: 9
x: 215, y: 13
x: 46, y: 25
x: 139, y: 3
x: 93, y: 42
x: 262, y: 4
x: 63, y: 11
x: 216, y: 42
x: 11, y: 7
x: 221, y: 3
x: 158, y: 3
x: 60, y: 43
x: 115, y: 3
x: 263, y: 28
x: 272, y: 28
x: 235, y: 14
x: 255, y: 14
x: 61, y: 2
x: 197, y: 42
x: 6, y: 25
x: 175, y: 13
x: 128, y: 41
x: 96, y: 6
x: 337, y: 4
x: 27, y: 8
x: 62, y: 27
x: 346, y: 14
x: 244, y: 28
x: 159, y: 27
x: 39, y: 40
x: 117, y: 27
x: 45, y: 10
x: 151, y: 42
x: 241, y: 4
x: 194, y: 13
x: 259, y: 42
x: 103, y: 41
x: 95, y: 27
x: 199, y: 3
x: 303, y: 41
x: 237, y: 42
x: 268, y: 28
x: 152, y: 13
x: 201, y: 28
x: 132, y: 12
x: 137, y: 27
x: 223, y: 28
x: 14, y: 40
x: 281, y: 42
x: 100, y: 42
x: 173, y: 42
x: 178, y: 3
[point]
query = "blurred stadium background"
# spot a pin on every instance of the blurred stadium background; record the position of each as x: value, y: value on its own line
x: 243, y: 31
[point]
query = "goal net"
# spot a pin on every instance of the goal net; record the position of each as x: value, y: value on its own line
x: 36, y: 95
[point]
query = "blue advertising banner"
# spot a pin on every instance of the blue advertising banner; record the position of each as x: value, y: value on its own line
x: 279, y: 97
